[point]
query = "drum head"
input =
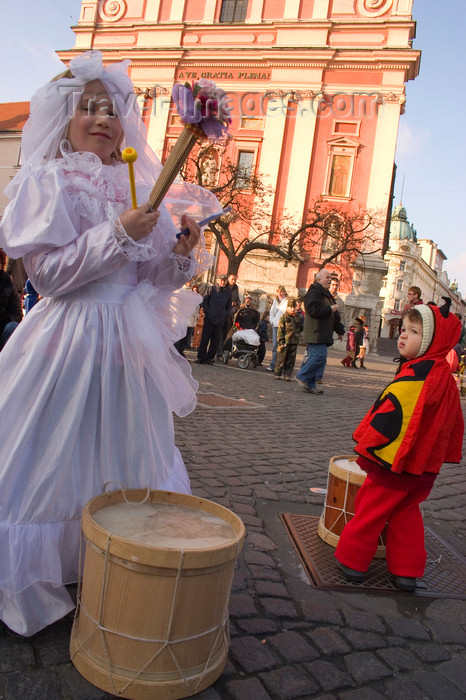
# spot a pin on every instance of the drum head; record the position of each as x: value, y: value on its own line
x: 165, y: 525
x: 344, y: 467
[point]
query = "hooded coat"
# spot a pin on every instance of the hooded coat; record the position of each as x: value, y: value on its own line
x: 416, y: 424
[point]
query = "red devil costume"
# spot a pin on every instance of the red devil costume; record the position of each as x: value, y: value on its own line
x: 415, y: 425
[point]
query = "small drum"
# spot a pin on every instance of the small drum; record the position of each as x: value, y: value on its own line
x: 152, y: 614
x: 344, y: 480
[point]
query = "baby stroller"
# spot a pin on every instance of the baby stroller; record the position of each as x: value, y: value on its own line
x: 244, y: 346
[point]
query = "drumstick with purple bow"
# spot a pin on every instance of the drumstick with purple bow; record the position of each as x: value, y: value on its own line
x: 204, y: 222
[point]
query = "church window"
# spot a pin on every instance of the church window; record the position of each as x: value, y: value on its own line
x: 341, y: 158
x: 399, y: 286
x: 233, y: 10
x: 244, y: 168
x: 339, y: 176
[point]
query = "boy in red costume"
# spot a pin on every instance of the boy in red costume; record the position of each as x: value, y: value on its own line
x: 415, y: 425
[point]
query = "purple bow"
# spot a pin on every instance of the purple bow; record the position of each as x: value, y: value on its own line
x: 202, y: 110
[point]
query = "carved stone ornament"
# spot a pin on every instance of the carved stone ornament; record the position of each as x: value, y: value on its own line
x: 112, y: 10
x: 373, y: 8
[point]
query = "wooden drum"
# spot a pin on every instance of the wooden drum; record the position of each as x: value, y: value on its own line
x: 344, y: 480
x: 152, y: 614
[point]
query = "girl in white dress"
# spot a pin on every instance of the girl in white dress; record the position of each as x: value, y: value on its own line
x: 90, y: 378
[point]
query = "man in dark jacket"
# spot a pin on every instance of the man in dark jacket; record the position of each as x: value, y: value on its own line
x: 247, y: 316
x: 216, y: 306
x: 321, y: 319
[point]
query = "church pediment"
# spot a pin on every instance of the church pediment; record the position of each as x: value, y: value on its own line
x: 343, y: 142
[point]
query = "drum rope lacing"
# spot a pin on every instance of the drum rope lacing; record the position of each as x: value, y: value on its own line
x: 221, y: 628
x: 342, y: 510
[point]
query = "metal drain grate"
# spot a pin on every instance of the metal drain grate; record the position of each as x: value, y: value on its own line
x: 445, y: 575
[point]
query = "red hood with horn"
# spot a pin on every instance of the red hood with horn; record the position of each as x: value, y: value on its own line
x: 416, y: 424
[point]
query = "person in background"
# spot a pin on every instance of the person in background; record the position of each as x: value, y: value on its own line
x: 10, y: 304
x: 235, y: 304
x: 216, y: 306
x: 359, y: 340
x: 289, y: 328
x: 321, y: 320
x: 30, y: 297
x: 246, y: 318
x: 247, y: 315
x: 333, y: 289
x: 263, y: 332
x: 364, y: 348
x: 350, y: 348
x: 185, y: 342
x: 413, y: 299
x: 277, y: 309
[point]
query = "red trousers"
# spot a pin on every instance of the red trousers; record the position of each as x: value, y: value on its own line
x: 376, y: 505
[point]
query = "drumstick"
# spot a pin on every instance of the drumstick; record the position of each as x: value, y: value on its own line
x: 204, y: 222
x: 130, y: 155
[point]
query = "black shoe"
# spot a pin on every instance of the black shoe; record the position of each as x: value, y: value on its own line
x: 404, y: 583
x: 210, y: 362
x: 199, y: 362
x: 351, y: 575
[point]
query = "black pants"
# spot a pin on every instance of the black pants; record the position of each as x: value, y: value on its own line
x: 261, y: 351
x: 210, y: 340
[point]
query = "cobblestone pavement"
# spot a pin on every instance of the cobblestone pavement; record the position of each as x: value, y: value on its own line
x: 288, y: 639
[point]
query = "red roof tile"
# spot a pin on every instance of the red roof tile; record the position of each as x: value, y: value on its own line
x: 13, y: 115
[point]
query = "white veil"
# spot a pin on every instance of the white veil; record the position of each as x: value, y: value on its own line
x: 52, y: 107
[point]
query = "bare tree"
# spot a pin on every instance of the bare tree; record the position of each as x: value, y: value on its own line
x: 329, y: 232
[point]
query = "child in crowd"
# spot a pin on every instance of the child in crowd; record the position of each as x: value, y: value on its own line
x: 364, y: 348
x: 415, y: 426
x: 350, y: 348
x: 289, y: 327
x: 358, y: 340
x: 95, y: 364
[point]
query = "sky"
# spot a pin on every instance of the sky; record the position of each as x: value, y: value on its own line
x: 431, y: 146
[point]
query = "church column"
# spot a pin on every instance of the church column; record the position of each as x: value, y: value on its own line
x: 320, y: 10
x: 159, y: 120
x: 255, y: 12
x: 291, y: 9
x: 209, y: 11
x: 272, y: 140
x: 300, y: 153
x: 152, y: 11
x: 383, y: 154
x: 176, y: 12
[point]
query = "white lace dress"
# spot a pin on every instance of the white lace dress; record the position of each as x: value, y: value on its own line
x: 89, y: 379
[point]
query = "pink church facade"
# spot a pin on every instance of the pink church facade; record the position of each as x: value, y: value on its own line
x: 317, y: 89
